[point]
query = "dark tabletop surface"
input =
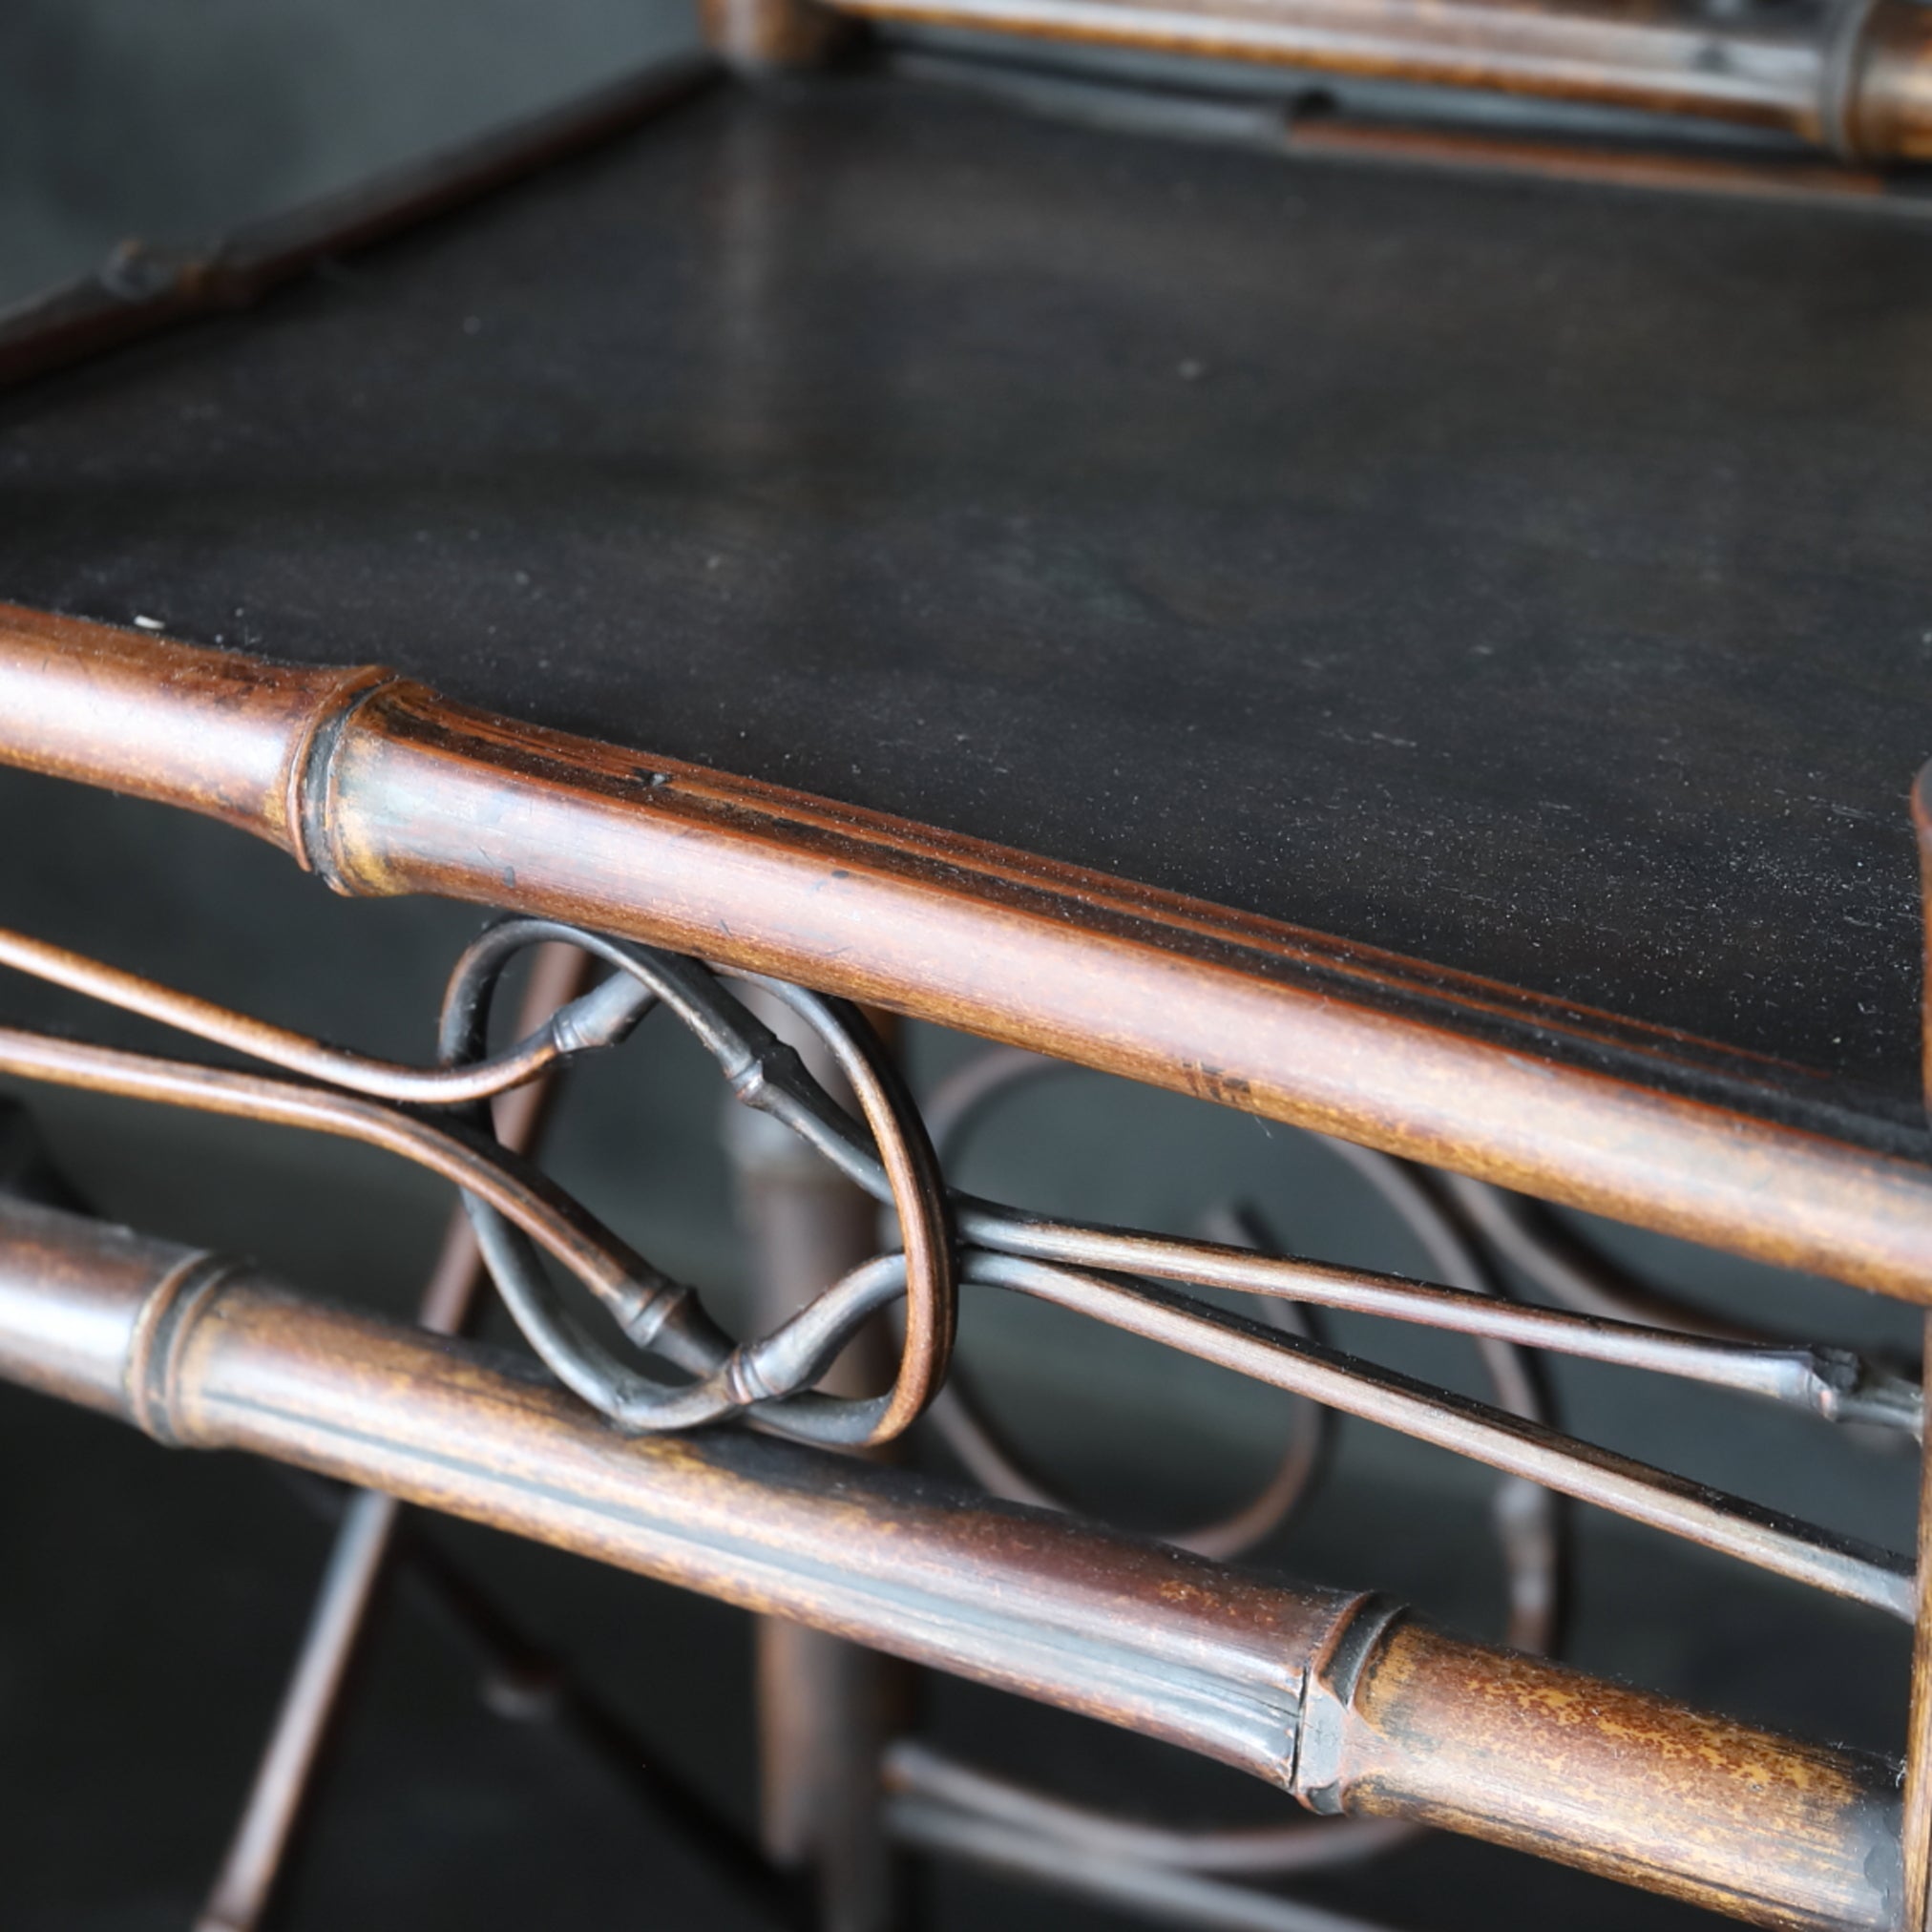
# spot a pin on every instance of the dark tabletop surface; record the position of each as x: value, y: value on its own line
x: 1533, y: 580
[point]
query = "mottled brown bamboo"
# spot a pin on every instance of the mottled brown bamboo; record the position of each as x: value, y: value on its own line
x: 1326, y: 1694
x: 1443, y: 1729
x: 383, y: 787
x: 1850, y: 76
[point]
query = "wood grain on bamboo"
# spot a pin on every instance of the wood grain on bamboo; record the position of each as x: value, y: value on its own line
x: 1321, y: 1692
x: 383, y: 787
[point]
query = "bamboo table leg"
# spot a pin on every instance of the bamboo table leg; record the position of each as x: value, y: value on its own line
x: 1916, y: 1828
x: 825, y: 1708
x: 364, y: 1543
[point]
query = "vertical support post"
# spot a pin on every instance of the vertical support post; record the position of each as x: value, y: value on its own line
x: 826, y: 1709
x: 1918, y: 1817
x: 272, y: 1813
x: 1917, y: 1825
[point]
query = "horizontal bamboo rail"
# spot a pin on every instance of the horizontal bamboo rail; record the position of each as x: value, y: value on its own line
x: 1852, y: 76
x: 383, y: 787
x: 1338, y: 1698
x: 1855, y: 76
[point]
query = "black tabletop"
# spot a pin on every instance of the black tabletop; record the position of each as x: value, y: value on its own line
x: 1533, y: 580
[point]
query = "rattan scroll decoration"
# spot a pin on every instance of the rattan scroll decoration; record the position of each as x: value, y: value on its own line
x: 1135, y: 1281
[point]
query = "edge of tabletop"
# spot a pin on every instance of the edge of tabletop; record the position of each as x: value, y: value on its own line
x: 143, y: 287
x: 383, y: 788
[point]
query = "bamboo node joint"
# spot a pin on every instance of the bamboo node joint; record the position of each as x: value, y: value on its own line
x: 169, y: 1313
x: 1328, y: 1694
x: 310, y: 805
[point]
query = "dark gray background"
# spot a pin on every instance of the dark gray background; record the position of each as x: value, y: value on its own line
x: 176, y: 119
x: 149, y: 1602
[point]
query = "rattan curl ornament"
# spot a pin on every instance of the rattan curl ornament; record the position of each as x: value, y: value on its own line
x: 1125, y: 1278
x: 892, y: 1159
x: 1527, y: 1518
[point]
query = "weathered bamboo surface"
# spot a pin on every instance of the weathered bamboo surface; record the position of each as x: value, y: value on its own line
x: 383, y: 788
x: 1337, y: 1697
x: 1851, y: 77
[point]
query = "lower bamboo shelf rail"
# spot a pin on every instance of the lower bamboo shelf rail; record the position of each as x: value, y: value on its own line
x: 1339, y: 1698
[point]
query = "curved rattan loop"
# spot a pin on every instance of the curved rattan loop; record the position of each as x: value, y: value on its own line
x: 772, y: 1373
x: 1126, y: 1279
x: 959, y: 1419
x: 1527, y: 1517
x: 1304, y: 1845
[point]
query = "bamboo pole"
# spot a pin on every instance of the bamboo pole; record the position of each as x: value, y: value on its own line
x: 1336, y: 1697
x: 382, y: 787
